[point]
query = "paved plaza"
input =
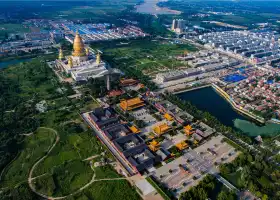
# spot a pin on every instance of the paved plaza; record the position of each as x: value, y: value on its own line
x: 188, y: 170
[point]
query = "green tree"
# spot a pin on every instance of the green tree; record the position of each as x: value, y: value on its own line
x: 225, y: 195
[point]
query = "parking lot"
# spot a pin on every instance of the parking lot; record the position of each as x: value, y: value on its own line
x: 186, y: 171
x: 178, y: 179
x: 217, y: 151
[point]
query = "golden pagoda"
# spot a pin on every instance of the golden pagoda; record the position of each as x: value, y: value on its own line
x: 60, y: 56
x: 70, y: 61
x: 78, y: 46
x: 98, y: 58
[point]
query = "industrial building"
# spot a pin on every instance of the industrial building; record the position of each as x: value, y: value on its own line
x: 200, y: 62
x: 102, y: 31
x: 262, y: 47
x: 170, y: 76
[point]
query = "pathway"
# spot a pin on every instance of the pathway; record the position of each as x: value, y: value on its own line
x: 30, y: 178
x: 40, y: 160
x: 91, y: 157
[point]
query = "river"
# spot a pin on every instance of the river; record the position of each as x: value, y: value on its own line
x: 4, y: 64
x: 207, y: 99
x: 150, y: 7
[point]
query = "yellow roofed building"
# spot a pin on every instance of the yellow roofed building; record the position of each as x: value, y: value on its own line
x: 161, y: 129
x: 131, y: 104
x: 188, y: 129
x: 154, y: 145
x: 182, y: 145
x: 134, y: 129
x: 168, y: 117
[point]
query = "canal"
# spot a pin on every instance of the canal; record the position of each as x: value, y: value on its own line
x: 4, y: 64
x: 207, y: 99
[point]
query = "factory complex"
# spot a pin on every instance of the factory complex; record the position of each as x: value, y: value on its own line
x: 199, y: 64
x: 45, y: 34
x: 100, y: 32
x: 261, y: 47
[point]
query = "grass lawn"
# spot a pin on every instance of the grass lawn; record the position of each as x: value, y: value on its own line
x: 69, y: 177
x: 11, y: 28
x: 65, y: 178
x: 112, y: 189
x: 145, y: 55
x: 117, y: 190
x: 105, y: 172
x: 159, y: 190
x: 35, y: 146
x: 71, y: 147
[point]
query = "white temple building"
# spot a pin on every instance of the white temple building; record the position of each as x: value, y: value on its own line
x: 82, y: 65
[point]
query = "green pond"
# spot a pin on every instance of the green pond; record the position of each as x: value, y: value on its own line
x: 207, y: 99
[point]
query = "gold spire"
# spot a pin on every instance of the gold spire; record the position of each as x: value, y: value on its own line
x: 98, y: 58
x: 60, y: 56
x: 78, y: 46
x: 70, y: 61
x: 87, y: 51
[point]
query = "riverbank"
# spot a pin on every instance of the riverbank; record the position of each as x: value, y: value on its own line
x: 236, y: 107
x: 228, y: 99
x: 191, y: 89
x: 150, y: 7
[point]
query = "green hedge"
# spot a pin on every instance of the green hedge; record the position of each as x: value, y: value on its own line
x: 159, y: 190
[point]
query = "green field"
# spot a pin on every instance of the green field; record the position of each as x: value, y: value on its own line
x: 108, y: 189
x: 65, y: 178
x: 147, y: 56
x: 96, y: 11
x: 66, y: 168
x: 71, y: 147
x: 6, y: 29
x: 34, y: 147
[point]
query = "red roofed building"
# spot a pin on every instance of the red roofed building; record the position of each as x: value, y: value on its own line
x: 114, y: 93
